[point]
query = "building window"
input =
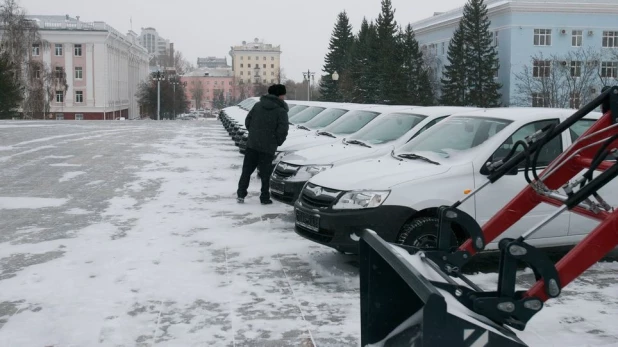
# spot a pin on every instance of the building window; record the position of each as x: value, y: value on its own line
x: 576, y: 69
x: 249, y: 57
x: 539, y: 100
x: 542, y: 37
x: 230, y: 82
x: 58, y: 49
x: 576, y: 38
x: 241, y: 65
x: 264, y: 58
x: 241, y: 73
x: 257, y: 58
x: 241, y: 57
x: 36, y: 50
x: 240, y: 80
x: 272, y: 66
x: 443, y: 47
x: 272, y: 81
x: 264, y: 65
x: 574, y: 100
x: 272, y: 73
x: 248, y: 65
x: 272, y: 58
x: 59, y: 72
x: 78, y: 73
x: 608, y: 69
x: 59, y: 96
x: 541, y: 68
x: 79, y: 96
x: 610, y: 39
x: 60, y: 116
x: 78, y: 50
x: 216, y: 82
x: 496, y: 41
x: 79, y: 116
x: 37, y: 72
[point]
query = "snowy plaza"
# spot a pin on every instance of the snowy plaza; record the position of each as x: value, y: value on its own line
x: 129, y: 234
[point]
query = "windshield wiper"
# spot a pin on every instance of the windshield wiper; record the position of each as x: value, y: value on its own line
x: 326, y: 133
x: 416, y: 156
x: 357, y: 142
x: 303, y: 127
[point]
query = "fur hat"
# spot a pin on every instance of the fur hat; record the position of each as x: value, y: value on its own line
x: 277, y: 89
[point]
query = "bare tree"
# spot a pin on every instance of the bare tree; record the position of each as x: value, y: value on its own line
x: 181, y: 64
x: 433, y: 64
x: 197, y: 94
x: 562, y: 81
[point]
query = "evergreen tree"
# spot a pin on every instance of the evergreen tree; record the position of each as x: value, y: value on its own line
x: 10, y: 90
x: 480, y: 56
x: 454, y: 80
x: 337, y: 58
x: 362, y: 74
x: 418, y: 90
x: 390, y: 78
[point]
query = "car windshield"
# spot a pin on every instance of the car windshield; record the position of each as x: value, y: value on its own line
x: 295, y: 110
x: 388, y: 128
x: 306, y: 115
x: 325, y: 118
x: 351, y: 123
x: 454, y: 135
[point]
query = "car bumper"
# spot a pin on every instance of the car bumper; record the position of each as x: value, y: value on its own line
x: 286, y: 192
x: 341, y: 229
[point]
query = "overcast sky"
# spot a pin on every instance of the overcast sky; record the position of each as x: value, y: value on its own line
x: 211, y: 27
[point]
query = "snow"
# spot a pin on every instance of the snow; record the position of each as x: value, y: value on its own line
x: 12, y: 203
x: 150, y: 248
x: 70, y: 175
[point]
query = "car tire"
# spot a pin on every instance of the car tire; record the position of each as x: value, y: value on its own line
x: 421, y: 232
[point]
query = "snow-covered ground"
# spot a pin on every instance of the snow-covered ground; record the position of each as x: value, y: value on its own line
x: 128, y: 234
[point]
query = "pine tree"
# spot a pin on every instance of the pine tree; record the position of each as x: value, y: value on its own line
x: 361, y: 74
x: 390, y: 78
x: 418, y: 90
x: 480, y: 56
x: 454, y: 80
x: 337, y: 59
x: 10, y: 90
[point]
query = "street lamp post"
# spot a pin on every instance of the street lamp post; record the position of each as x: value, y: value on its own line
x: 174, y: 83
x: 335, y: 77
x: 308, y: 76
x: 158, y: 76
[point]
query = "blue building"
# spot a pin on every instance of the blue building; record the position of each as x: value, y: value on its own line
x: 538, y: 43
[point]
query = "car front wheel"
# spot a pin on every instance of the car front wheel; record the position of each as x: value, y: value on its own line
x: 422, y: 232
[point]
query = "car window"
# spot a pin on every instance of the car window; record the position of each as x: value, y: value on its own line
x: 454, y: 135
x: 306, y: 115
x: 580, y: 127
x: 325, y: 118
x: 388, y: 128
x: 295, y: 110
x: 549, y: 152
x: 352, y: 123
x: 427, y: 126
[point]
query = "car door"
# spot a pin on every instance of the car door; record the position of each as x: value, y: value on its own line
x: 580, y: 225
x: 491, y: 199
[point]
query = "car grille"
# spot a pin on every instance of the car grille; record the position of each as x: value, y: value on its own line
x: 283, y: 170
x: 323, y: 199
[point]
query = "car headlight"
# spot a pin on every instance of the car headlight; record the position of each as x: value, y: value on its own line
x: 316, y: 169
x: 361, y: 200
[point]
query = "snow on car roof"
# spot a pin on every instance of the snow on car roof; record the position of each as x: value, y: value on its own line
x: 524, y: 114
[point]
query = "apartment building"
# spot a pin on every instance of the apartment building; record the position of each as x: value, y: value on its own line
x: 256, y: 62
x: 102, y: 68
x: 525, y: 28
x: 206, y: 84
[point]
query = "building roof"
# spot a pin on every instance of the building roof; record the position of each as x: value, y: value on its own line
x: 256, y: 45
x: 569, y: 6
x: 222, y: 72
x: 52, y: 18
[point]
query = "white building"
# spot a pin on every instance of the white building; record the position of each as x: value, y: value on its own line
x: 256, y: 62
x: 157, y: 46
x: 103, y: 68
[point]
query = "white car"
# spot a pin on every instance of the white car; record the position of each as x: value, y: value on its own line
x: 347, y: 125
x: 376, y: 139
x: 397, y: 194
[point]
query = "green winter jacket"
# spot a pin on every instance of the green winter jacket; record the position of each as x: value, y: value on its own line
x: 267, y: 124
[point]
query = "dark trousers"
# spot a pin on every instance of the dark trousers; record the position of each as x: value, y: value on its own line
x: 253, y: 160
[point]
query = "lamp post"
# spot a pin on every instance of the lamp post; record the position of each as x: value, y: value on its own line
x: 158, y: 76
x: 174, y: 82
x: 335, y: 78
x: 308, y: 76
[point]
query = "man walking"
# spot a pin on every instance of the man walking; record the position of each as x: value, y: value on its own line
x: 267, y: 124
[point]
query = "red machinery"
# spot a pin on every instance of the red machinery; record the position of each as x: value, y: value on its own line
x: 426, y: 301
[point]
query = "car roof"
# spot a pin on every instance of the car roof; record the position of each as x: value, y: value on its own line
x: 388, y: 108
x: 524, y: 114
x: 443, y: 110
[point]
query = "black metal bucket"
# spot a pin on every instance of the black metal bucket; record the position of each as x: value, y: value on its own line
x: 400, y: 307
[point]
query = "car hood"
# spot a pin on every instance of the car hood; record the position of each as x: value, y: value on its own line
x: 301, y: 142
x: 329, y: 154
x: 379, y: 173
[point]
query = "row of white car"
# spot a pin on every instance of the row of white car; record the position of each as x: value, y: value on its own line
x: 346, y: 167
